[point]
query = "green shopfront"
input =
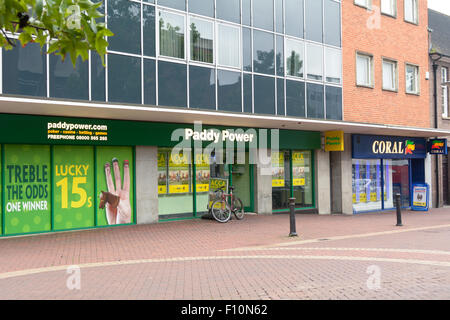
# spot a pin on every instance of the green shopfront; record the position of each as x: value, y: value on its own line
x: 53, y: 170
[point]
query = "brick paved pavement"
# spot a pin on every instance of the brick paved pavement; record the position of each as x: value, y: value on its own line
x: 249, y: 259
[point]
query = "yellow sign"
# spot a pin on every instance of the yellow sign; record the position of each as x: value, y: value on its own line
x: 334, y: 141
x: 277, y: 169
x: 300, y: 167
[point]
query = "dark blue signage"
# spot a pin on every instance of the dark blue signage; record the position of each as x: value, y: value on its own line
x: 437, y: 146
x: 385, y: 147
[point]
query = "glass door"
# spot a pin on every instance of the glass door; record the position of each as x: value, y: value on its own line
x: 281, y: 180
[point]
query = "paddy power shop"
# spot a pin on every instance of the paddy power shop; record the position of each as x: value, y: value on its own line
x: 61, y: 174
x: 383, y: 166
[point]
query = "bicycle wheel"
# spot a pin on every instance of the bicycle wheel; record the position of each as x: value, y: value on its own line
x: 238, y: 209
x: 221, y: 211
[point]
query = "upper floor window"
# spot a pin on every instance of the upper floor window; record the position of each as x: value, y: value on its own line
x: 171, y: 35
x: 389, y: 75
x: 364, y: 3
x: 389, y: 7
x: 444, y: 79
x: 202, y: 40
x: 229, y: 45
x: 411, y: 11
x: 412, y: 79
x: 364, y: 67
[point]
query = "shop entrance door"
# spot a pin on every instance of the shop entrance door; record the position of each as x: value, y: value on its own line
x: 400, y: 181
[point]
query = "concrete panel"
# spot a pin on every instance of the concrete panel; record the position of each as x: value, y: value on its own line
x: 146, y: 184
x: 323, y: 185
x: 263, y: 182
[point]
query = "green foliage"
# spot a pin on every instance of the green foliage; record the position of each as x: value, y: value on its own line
x: 68, y: 26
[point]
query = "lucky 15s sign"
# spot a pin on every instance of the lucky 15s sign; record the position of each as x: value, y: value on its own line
x: 385, y: 147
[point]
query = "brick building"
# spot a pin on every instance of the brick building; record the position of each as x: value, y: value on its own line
x: 439, y: 46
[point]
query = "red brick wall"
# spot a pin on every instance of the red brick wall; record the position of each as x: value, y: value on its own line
x: 389, y: 38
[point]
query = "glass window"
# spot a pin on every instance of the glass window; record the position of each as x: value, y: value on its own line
x: 171, y: 35
x: 334, y: 102
x: 411, y: 11
x: 248, y: 93
x: 229, y: 10
x: 67, y: 82
x: 263, y: 14
x: 315, y: 100
x: 246, y: 12
x: 444, y: 101
x: 229, y: 46
x: 389, y: 7
x: 333, y: 65
x: 294, y: 17
x: 332, y: 23
x: 313, y: 20
x: 314, y: 64
x: 203, y: 7
x: 148, y: 21
x: 364, y: 70
x: 98, y: 75
x: 364, y: 3
x: 389, y: 75
x: 202, y: 40
x: 263, y: 52
x: 280, y: 56
x: 279, y: 26
x: 176, y: 4
x: 247, y: 49
x: 294, y: 58
x: 412, y: 79
x: 124, y: 79
x: 172, y: 83
x: 396, y: 180
x: 175, y: 197
x: 229, y: 91
x: 25, y: 71
x: 149, y: 81
x: 281, y: 179
x: 444, y: 74
x: 302, y: 178
x: 264, y: 95
x: 295, y: 98
x: 280, y: 97
x: 202, y: 88
x: 124, y: 19
x: 366, y: 185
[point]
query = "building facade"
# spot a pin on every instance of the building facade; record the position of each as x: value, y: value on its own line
x: 439, y: 44
x: 261, y: 80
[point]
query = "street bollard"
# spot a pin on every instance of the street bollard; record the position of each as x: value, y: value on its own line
x: 293, y: 232
x: 399, y: 209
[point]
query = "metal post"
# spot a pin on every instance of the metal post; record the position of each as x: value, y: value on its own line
x: 293, y: 232
x: 399, y: 209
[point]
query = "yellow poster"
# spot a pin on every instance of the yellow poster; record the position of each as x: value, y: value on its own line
x: 277, y: 169
x: 178, y: 173
x: 202, y: 172
x: 162, y: 173
x: 299, y: 167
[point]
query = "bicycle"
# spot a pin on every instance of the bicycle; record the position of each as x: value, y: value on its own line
x: 221, y: 210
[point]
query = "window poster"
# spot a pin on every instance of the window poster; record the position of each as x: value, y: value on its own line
x: 202, y: 172
x: 278, y: 169
x: 178, y: 173
x: 162, y: 173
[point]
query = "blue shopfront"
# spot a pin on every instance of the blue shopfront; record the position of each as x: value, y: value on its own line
x: 383, y: 166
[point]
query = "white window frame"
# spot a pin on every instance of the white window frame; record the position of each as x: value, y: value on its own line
x: 444, y: 91
x: 392, y: 7
x: 218, y: 25
x: 213, y: 35
x: 416, y: 78
x: 370, y: 69
x: 363, y: 3
x: 415, y: 5
x: 327, y: 62
x: 395, y: 74
x: 186, y: 37
x: 289, y: 39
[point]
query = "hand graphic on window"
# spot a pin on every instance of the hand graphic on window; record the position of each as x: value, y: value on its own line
x: 117, y: 199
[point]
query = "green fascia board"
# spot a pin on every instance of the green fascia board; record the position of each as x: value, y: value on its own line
x: 33, y: 129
